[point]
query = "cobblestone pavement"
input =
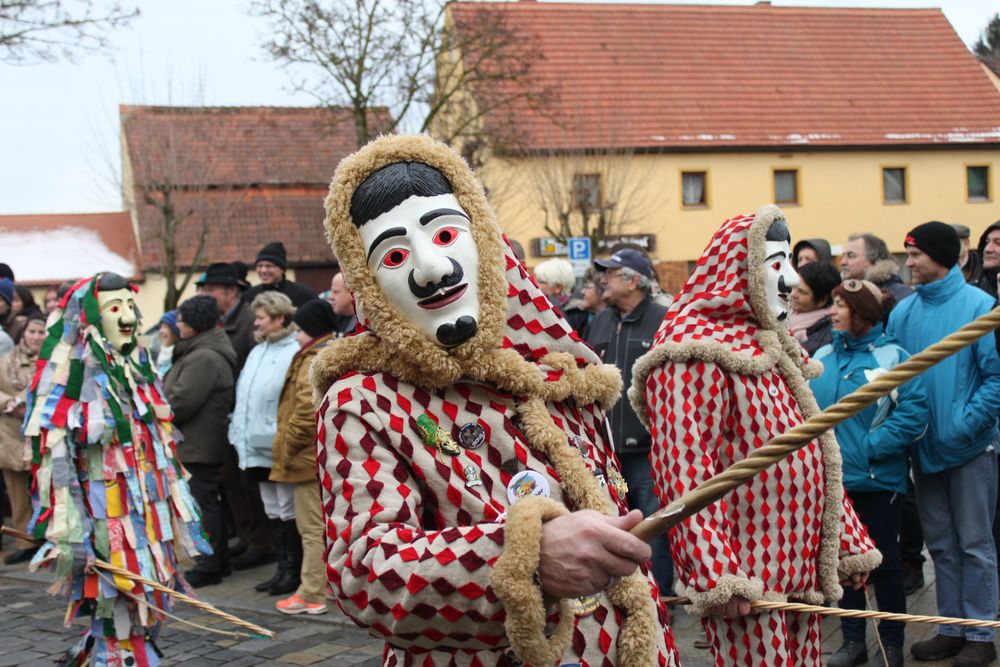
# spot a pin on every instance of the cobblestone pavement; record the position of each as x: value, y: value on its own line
x: 32, y: 631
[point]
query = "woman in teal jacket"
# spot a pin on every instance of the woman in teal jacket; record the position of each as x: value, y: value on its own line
x: 874, y: 446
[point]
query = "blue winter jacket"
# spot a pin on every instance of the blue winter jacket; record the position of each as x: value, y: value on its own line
x: 255, y: 419
x: 875, y: 442
x: 964, y: 389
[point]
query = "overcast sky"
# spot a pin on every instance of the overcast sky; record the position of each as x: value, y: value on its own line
x: 58, y: 123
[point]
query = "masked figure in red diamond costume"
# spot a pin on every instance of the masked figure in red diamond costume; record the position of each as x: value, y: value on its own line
x: 473, y: 503
x: 724, y: 376
x: 106, y: 482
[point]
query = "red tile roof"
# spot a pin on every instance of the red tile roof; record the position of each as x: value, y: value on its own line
x: 259, y: 174
x: 683, y: 76
x: 50, y: 248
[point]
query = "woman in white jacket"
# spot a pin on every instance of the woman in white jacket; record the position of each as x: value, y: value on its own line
x: 254, y: 424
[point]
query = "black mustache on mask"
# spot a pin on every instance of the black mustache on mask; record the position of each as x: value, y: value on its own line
x: 450, y: 280
x: 783, y: 288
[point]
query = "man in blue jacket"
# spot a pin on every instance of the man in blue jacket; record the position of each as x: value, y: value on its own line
x: 957, y: 479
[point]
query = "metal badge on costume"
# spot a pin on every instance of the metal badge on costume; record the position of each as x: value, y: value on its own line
x: 527, y: 483
x: 472, y: 436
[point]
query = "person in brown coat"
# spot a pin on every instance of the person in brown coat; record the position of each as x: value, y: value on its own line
x: 16, y: 370
x: 295, y: 455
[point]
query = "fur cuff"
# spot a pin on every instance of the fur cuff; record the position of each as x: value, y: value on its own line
x: 860, y: 563
x: 726, y: 587
x: 513, y: 584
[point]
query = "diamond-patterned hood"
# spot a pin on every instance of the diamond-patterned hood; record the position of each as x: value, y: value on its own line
x: 522, y: 343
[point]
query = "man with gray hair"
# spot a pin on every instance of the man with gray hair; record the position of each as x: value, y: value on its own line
x: 620, y: 334
x: 866, y: 257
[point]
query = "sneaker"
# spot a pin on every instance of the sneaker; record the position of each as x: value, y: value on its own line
x: 893, y: 657
x: 913, y: 579
x: 939, y: 647
x: 296, y: 605
x: 976, y: 654
x: 849, y: 654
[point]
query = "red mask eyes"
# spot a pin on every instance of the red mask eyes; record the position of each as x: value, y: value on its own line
x: 395, y: 258
x: 446, y: 236
x: 115, y: 309
x: 776, y: 266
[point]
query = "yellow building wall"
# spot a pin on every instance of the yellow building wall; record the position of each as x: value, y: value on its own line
x: 840, y: 193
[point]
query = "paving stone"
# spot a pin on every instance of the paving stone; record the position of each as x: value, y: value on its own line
x: 329, y: 650
x: 300, y: 658
x: 8, y: 659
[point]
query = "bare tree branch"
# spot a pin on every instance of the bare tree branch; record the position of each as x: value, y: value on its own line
x: 407, y: 57
x: 33, y: 31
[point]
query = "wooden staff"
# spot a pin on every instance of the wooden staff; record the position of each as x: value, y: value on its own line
x: 782, y: 446
x: 853, y: 613
x: 128, y: 574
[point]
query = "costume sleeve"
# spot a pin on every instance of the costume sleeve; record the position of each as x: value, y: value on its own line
x: 418, y: 587
x: 904, y: 425
x: 857, y: 551
x: 687, y: 405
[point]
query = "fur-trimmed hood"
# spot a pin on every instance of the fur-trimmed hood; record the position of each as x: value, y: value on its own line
x: 882, y: 271
x: 522, y: 343
x: 721, y: 314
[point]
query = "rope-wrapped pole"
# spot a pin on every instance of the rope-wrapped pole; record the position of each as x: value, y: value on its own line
x: 785, y: 444
x: 854, y: 613
x: 128, y: 574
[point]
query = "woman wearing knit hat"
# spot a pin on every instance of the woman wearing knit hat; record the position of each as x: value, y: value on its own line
x: 294, y: 453
x: 874, y: 447
x: 168, y: 333
x: 254, y: 425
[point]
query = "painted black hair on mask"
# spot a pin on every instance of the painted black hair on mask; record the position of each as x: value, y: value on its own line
x: 778, y: 231
x: 393, y: 184
x: 109, y: 282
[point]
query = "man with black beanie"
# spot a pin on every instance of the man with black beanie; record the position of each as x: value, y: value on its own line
x: 271, y: 264
x: 201, y: 388
x: 956, y: 475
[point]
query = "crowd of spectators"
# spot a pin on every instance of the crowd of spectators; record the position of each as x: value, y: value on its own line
x: 919, y: 466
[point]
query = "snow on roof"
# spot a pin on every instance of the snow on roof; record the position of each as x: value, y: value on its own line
x: 43, y: 249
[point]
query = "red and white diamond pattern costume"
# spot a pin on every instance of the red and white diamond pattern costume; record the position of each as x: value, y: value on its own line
x: 417, y: 552
x: 723, y: 378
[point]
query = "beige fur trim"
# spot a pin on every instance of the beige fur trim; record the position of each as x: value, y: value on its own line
x: 512, y: 580
x: 733, y: 362
x: 860, y: 563
x: 833, y: 489
x: 728, y: 585
x: 636, y: 640
x: 434, y: 364
x: 757, y: 280
x: 881, y: 271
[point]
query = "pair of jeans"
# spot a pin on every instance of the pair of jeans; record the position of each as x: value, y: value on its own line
x: 880, y: 512
x: 205, y: 485
x: 957, y: 507
x: 638, y: 474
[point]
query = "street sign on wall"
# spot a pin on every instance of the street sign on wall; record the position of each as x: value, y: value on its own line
x: 579, y: 253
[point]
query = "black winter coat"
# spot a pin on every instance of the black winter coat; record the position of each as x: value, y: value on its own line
x: 201, y: 389
x: 621, y: 342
